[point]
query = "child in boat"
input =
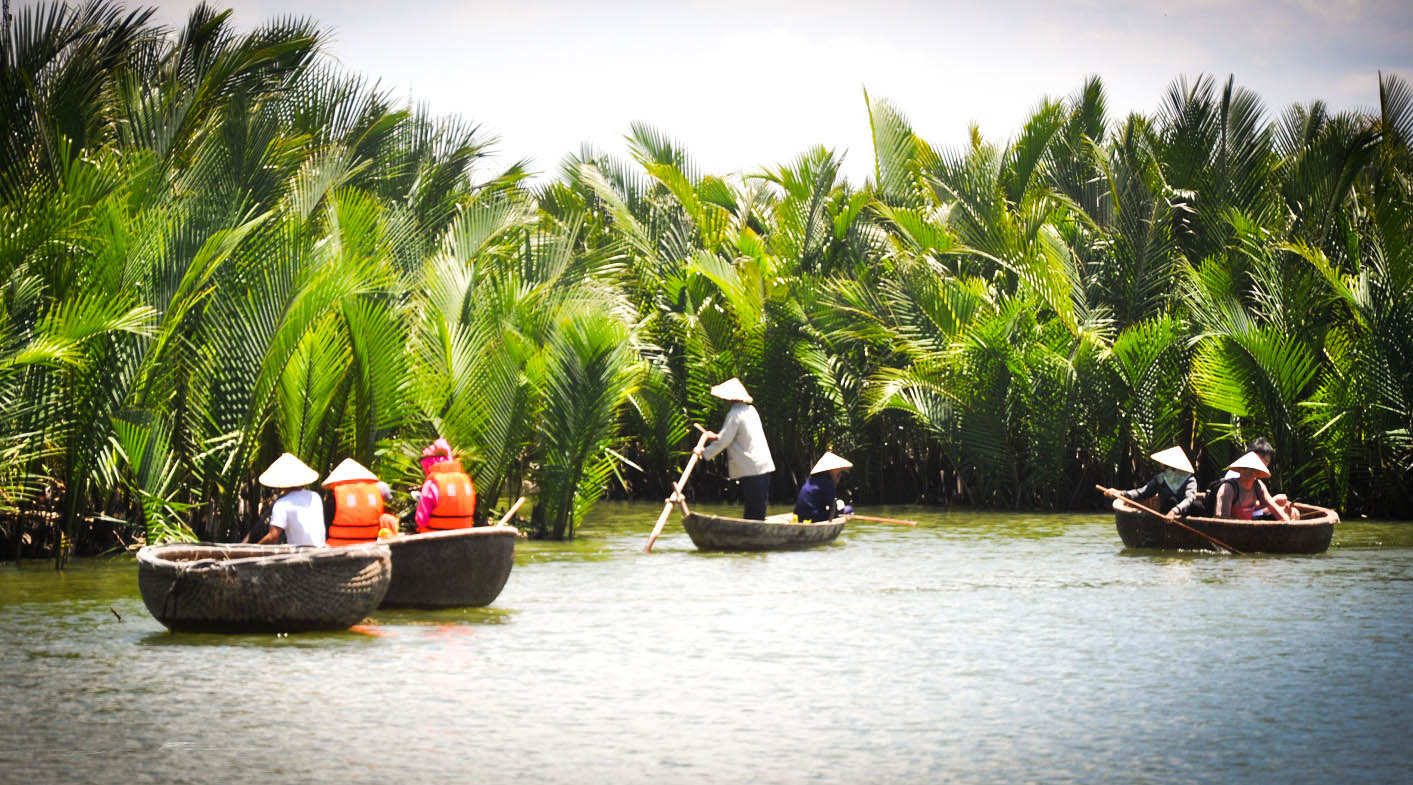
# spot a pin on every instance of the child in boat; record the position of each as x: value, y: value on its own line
x: 1267, y: 453
x: 1240, y: 497
x: 1175, y: 486
x: 817, y: 500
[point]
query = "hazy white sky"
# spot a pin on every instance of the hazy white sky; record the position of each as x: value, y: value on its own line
x: 750, y: 84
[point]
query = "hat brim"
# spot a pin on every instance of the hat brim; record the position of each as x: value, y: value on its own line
x: 1174, y: 458
x: 288, y: 472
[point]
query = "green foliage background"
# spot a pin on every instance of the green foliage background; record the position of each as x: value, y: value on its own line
x: 217, y: 246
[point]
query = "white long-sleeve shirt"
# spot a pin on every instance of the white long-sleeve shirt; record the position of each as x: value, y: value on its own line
x: 743, y: 438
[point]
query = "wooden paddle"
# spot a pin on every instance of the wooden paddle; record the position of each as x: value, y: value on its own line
x: 676, y: 491
x: 506, y: 518
x: 1114, y: 493
x: 898, y: 521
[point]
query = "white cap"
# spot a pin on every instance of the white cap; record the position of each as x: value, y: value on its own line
x: 830, y: 461
x: 731, y: 390
x: 1251, y: 461
x: 1174, y: 458
x: 288, y: 472
x: 349, y: 471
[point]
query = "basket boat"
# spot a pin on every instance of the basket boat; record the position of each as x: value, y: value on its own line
x: 210, y: 587
x: 458, y: 567
x: 1310, y: 534
x: 717, y: 533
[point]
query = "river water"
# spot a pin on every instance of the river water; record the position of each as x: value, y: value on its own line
x: 986, y: 648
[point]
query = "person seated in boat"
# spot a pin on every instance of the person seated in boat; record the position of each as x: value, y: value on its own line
x: 742, y: 436
x: 358, y: 505
x: 818, y: 499
x: 298, y: 514
x: 447, y: 499
x: 1240, y: 497
x: 1267, y: 453
x: 1175, y: 486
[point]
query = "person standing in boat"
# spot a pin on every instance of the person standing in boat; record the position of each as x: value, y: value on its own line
x: 742, y: 436
x: 447, y: 499
x: 1239, y: 498
x: 298, y: 514
x: 1175, y: 486
x: 1266, y: 451
x: 818, y: 498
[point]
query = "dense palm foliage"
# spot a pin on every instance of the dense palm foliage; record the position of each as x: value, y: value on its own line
x: 217, y: 246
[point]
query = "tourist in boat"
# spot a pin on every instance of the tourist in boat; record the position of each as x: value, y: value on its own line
x: 1241, y: 496
x: 748, y: 458
x: 298, y: 514
x: 818, y: 499
x: 1175, y: 486
x: 1267, y: 453
x: 447, y: 499
x: 358, y: 505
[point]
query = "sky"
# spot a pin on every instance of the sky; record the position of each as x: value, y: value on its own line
x: 745, y: 85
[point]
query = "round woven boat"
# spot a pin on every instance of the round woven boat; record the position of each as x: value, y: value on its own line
x: 210, y: 587
x: 459, y: 567
x: 1310, y: 534
x: 718, y: 533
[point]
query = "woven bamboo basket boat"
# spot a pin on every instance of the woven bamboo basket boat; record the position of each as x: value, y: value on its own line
x: 211, y: 587
x: 717, y: 533
x: 459, y: 567
x: 1310, y: 534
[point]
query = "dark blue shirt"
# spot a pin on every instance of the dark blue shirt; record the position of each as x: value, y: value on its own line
x: 816, y: 499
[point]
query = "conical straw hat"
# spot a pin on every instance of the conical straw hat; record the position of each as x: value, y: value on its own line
x: 349, y: 471
x: 1251, y: 461
x: 288, y: 472
x: 1174, y: 458
x: 732, y: 390
x: 829, y: 461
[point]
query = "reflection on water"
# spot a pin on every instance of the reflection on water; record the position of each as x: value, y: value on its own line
x: 976, y: 648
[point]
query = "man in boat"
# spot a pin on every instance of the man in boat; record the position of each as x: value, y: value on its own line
x: 1175, y: 486
x: 818, y: 499
x: 1240, y: 497
x: 742, y: 436
x: 447, y: 499
x: 1267, y: 453
x: 298, y: 514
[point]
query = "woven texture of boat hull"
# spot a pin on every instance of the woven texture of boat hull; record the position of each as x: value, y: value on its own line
x: 261, y: 588
x: 1311, y: 534
x: 456, y: 568
x: 712, y: 533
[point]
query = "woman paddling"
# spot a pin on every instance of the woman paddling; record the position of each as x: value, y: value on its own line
x: 742, y: 436
x: 1175, y: 486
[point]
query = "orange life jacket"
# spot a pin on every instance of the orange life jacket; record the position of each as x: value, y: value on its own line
x: 456, y: 496
x: 358, y: 508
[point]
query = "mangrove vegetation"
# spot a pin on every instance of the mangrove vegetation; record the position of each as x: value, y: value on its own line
x: 216, y: 245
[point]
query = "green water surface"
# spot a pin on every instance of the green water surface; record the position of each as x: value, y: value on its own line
x: 987, y: 647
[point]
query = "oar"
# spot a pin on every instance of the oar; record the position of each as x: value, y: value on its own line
x: 1114, y: 493
x: 898, y: 521
x: 506, y: 518
x: 676, y: 491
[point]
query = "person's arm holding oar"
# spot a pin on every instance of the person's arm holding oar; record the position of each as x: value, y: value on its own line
x: 676, y: 495
x: 1117, y: 494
